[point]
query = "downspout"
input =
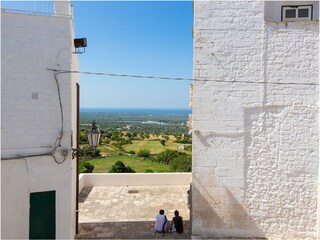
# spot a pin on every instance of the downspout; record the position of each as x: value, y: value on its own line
x: 77, y: 160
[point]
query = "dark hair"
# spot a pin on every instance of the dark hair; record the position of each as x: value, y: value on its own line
x: 161, y: 211
x: 176, y: 213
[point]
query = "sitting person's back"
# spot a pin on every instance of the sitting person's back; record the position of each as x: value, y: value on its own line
x: 161, y: 220
x: 177, y: 222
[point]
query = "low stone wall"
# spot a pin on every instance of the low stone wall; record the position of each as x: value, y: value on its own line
x: 133, y: 179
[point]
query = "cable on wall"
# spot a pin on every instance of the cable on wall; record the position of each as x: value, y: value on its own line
x: 58, y: 71
x: 58, y: 140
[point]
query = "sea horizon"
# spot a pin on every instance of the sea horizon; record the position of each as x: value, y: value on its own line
x: 137, y: 110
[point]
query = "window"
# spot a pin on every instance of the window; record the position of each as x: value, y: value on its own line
x: 296, y: 13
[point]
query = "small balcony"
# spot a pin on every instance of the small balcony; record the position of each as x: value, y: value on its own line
x: 39, y: 8
x: 124, y: 206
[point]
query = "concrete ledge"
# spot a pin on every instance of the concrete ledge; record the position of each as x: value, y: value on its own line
x: 133, y: 179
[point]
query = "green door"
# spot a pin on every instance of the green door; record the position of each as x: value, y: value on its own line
x: 42, y: 215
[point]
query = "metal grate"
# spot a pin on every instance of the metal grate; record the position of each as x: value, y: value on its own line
x: 133, y: 191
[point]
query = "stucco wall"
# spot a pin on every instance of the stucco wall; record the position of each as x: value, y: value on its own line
x: 31, y: 120
x: 30, y: 45
x: 21, y: 177
x: 255, y: 145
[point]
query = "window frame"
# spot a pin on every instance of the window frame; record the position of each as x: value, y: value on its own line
x: 296, y: 7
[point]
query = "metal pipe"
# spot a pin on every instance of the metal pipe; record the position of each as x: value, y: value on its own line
x: 77, y: 159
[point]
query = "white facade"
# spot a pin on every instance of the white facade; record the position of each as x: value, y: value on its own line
x: 31, y: 119
x: 255, y: 123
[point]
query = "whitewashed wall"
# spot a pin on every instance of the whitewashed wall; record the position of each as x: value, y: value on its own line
x: 255, y: 146
x: 31, y: 121
x: 133, y: 179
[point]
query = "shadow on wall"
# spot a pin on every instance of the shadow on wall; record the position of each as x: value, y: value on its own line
x: 221, y: 216
x: 202, y: 139
x: 83, y: 195
x: 278, y: 169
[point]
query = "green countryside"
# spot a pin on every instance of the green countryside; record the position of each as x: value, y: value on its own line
x: 138, y: 143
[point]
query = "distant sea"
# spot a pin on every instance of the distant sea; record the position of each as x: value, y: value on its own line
x: 137, y: 110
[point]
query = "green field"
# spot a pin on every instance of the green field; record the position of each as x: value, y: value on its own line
x: 155, y: 147
x: 103, y: 165
x: 108, y: 150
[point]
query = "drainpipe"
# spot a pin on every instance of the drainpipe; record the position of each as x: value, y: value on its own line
x: 77, y: 159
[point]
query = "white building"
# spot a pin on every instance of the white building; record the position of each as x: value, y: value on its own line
x: 255, y: 119
x: 38, y: 123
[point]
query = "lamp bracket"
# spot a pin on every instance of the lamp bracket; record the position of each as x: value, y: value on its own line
x: 75, y: 153
x: 78, y: 51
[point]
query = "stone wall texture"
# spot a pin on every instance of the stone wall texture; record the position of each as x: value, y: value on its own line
x: 255, y: 123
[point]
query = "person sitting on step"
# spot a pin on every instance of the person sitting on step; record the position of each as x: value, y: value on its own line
x: 161, y: 221
x: 177, y: 222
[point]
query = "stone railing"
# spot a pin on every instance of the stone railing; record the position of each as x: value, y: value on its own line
x: 133, y: 179
x: 43, y: 8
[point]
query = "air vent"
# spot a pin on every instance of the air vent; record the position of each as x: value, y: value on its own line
x: 297, y: 13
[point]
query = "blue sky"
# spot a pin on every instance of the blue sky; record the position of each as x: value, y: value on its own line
x: 143, y: 38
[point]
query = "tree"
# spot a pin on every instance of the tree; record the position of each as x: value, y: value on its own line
x: 88, y: 152
x: 128, y: 134
x: 85, y: 167
x: 83, y: 137
x: 107, y: 135
x: 163, y: 142
x: 96, y: 153
x: 185, y: 140
x: 188, y: 148
x: 144, y: 153
x: 182, y: 163
x: 120, y: 167
x: 167, y: 155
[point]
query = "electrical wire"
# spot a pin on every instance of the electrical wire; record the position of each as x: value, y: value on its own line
x: 58, y: 140
x: 59, y: 71
x: 179, y: 78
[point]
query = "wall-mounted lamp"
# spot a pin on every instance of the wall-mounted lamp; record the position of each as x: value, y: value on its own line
x: 80, y: 43
x: 93, y: 134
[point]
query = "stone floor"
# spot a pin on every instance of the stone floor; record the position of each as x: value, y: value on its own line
x: 127, y: 230
x: 129, y: 212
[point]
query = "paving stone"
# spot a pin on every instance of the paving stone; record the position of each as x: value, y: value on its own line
x: 113, y: 213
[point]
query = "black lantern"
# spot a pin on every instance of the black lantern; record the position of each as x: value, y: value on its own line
x: 93, y: 134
